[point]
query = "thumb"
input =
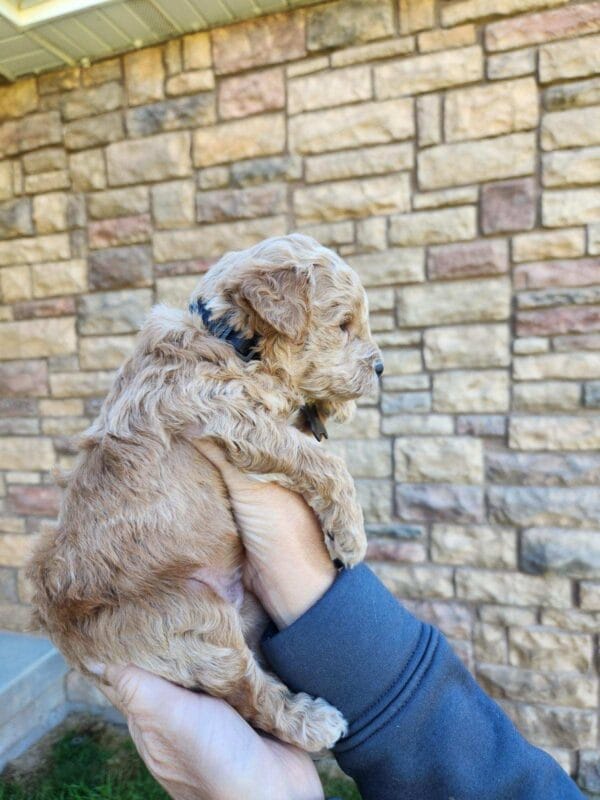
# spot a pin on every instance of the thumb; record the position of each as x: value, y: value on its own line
x: 126, y: 687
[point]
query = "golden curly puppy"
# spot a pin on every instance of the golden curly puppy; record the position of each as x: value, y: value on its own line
x: 275, y: 335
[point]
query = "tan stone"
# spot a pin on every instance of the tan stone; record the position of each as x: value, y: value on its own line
x: 467, y: 346
x: 154, y: 158
x: 474, y: 545
x: 6, y: 189
x: 371, y: 234
x: 429, y: 119
x: 18, y: 99
x: 573, y: 128
x: 428, y: 72
x: 119, y: 203
x: 365, y: 458
x: 563, y: 60
x: 103, y: 71
x: 590, y: 595
x: 363, y: 425
x: 257, y: 42
x: 251, y: 93
x: 564, y: 23
x: 80, y: 384
x: 436, y: 459
x: 144, y: 75
x: 15, y: 284
x: 59, y: 278
x: 330, y: 88
x: 26, y: 452
x: 87, y: 170
x: 562, y: 366
x: 371, y: 52
x: 15, y: 549
x: 307, y: 66
x: 570, y: 207
x: 554, y: 244
x: 511, y: 65
x: 594, y: 240
x: 549, y: 650
x: 61, y: 408
x: 176, y: 291
x: 196, y: 51
x: 415, y: 581
x: 104, y: 352
x: 446, y: 197
x: 173, y: 204
x: 378, y: 160
x: 31, y: 250
x: 348, y: 22
x: 434, y: 227
x: 571, y: 167
x: 214, y: 240
x: 331, y: 234
x: 351, y: 126
x: 199, y: 80
x: 47, y: 181
x: 90, y: 101
x: 431, y: 41
x: 546, y: 396
x: 351, y: 199
x: 476, y: 162
x: 455, y: 301
x: 501, y: 107
x: 467, y: 10
x: 558, y: 433
x: 37, y: 338
x: 480, y: 392
x: 262, y: 135
x: 406, y: 265
x: 402, y: 362
x: 50, y: 212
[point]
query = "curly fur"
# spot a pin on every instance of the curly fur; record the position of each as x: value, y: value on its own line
x: 145, y: 564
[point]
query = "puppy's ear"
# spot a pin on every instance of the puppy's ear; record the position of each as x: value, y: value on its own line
x: 279, y: 298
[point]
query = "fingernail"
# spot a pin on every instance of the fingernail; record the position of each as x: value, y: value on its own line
x: 96, y: 668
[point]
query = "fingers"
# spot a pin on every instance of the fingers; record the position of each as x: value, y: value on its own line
x: 232, y: 476
x: 130, y: 689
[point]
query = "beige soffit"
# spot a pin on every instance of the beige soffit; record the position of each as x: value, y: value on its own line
x: 39, y: 35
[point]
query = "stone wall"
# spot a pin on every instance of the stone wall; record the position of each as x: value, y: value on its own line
x: 453, y: 157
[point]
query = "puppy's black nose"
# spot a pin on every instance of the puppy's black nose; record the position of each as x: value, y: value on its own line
x: 379, y: 367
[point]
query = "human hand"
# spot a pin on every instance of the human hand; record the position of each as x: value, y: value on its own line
x: 288, y: 567
x: 198, y: 748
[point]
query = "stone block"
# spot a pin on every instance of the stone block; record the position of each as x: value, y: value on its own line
x: 6, y: 180
x: 59, y: 80
x: 562, y: 23
x: 562, y: 366
x: 8, y: 586
x: 352, y: 199
x: 102, y: 72
x: 541, y: 649
x: 39, y: 501
x: 347, y: 22
x: 88, y: 102
x: 104, y: 352
x: 469, y: 260
x: 113, y: 312
x: 463, y: 391
x: 561, y: 61
x: 15, y: 218
x: 55, y: 307
x: 426, y: 73
x: 378, y: 160
x: 59, y: 278
x: 375, y: 498
x: 258, y: 42
x: 541, y: 397
x: 363, y: 425
x: 255, y: 171
x: 61, y: 408
x: 108, y: 233
x: 467, y: 346
x: 144, y: 75
x: 331, y: 234
x: 198, y: 80
x: 559, y: 433
x: 549, y: 688
x: 154, y: 158
x: 570, y: 207
x: 484, y: 425
x: 171, y: 115
x: 417, y: 582
x: 438, y: 460
x: 30, y: 133
x: 468, y: 10
x: 476, y: 162
x: 574, y: 553
x: 404, y: 265
x: 175, y: 291
x: 502, y: 107
x: 94, y: 131
x: 37, y: 338
x: 433, y: 227
x: 512, y: 64
x: 18, y: 99
x: 530, y: 345
x: 590, y: 595
x: 434, y: 40
x: 214, y: 240
x: 352, y: 126
x: 474, y: 545
x: 508, y: 206
x: 429, y: 119
x: 230, y: 204
x: 489, y: 643
x: 446, y: 197
x: 51, y: 212
x: 173, y: 204
x: 46, y: 181
x: 589, y: 771
x: 367, y: 458
x: 15, y: 284
x: 383, y: 549
x: 261, y: 135
x: 402, y: 362
x: 558, y: 320
x: 26, y: 452
x: 536, y: 506
x: 252, y: 93
x: 87, y: 170
x: 542, y: 469
x: 80, y: 384
x: 439, y: 503
x: 571, y: 167
x: 196, y: 51
x: 538, y: 246
x: 572, y: 95
x: 512, y: 588
x: 327, y: 89
x: 19, y: 378
x: 560, y: 273
x: 591, y: 395
x: 406, y: 402
x: 459, y: 301
x: 573, y: 128
x: 119, y: 202
x: 368, y: 52
x: 15, y: 549
x: 117, y: 267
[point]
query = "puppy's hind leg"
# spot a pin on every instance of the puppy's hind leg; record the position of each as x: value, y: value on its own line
x: 203, y: 647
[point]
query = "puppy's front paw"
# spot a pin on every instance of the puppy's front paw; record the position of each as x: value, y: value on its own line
x: 322, y: 726
x: 345, y: 536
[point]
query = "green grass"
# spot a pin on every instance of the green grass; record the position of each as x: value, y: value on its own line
x: 98, y: 762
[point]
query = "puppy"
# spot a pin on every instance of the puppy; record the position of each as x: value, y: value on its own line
x: 145, y: 566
